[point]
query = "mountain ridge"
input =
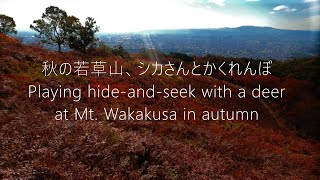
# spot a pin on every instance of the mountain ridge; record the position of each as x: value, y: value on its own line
x: 161, y: 31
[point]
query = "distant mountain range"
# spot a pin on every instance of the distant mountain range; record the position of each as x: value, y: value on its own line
x: 246, y: 41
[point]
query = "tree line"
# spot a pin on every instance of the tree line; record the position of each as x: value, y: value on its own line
x: 57, y: 27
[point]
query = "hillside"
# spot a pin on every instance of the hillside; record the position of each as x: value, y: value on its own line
x: 35, y: 146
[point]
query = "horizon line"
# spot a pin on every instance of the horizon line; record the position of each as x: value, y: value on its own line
x: 179, y: 29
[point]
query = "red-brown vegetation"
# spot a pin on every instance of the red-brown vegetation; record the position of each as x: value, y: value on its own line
x: 34, y: 145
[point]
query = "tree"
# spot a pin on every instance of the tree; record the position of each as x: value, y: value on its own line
x: 71, y: 25
x: 83, y: 37
x: 52, y: 26
x: 120, y: 51
x: 101, y: 49
x: 7, y: 25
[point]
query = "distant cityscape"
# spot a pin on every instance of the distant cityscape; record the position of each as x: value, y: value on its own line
x: 246, y: 41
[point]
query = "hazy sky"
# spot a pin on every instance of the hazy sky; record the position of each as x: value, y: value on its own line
x: 137, y: 15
